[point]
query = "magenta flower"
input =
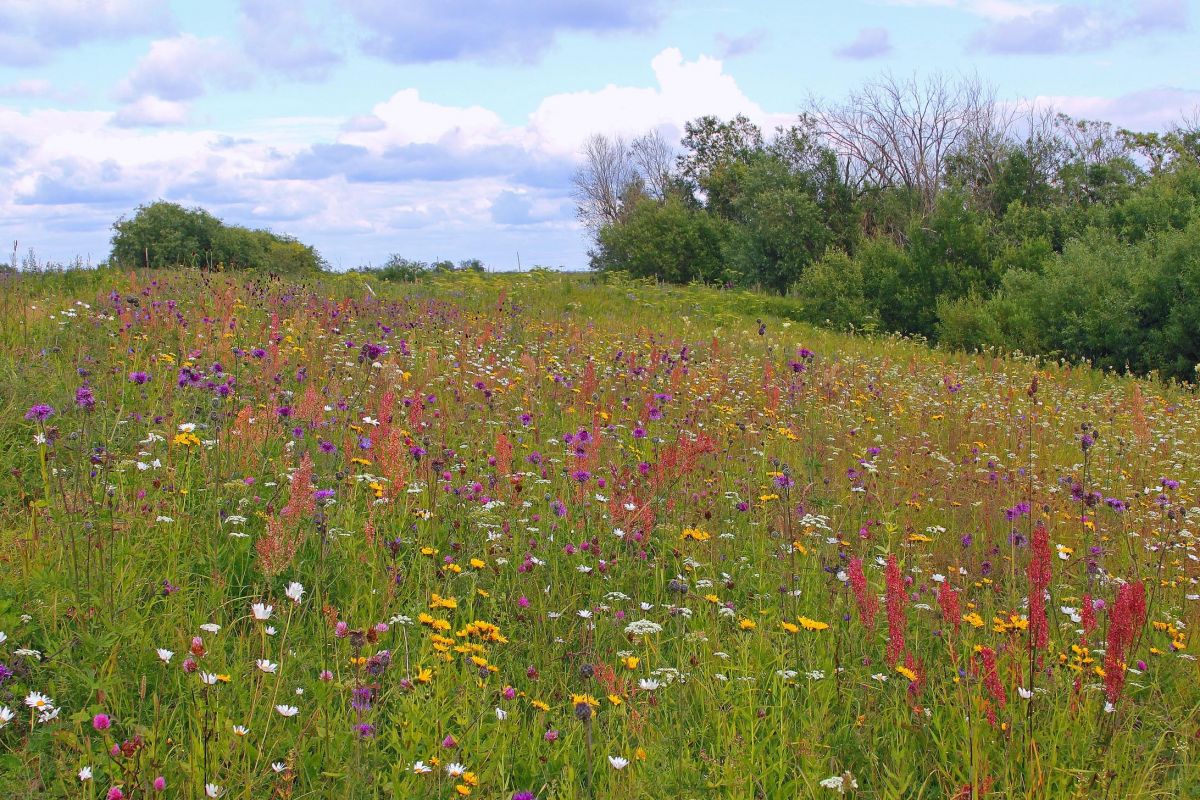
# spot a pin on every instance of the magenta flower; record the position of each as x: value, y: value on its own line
x: 39, y: 412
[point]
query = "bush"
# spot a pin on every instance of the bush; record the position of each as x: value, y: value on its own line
x: 668, y: 241
x: 832, y: 293
x: 968, y: 323
x: 164, y: 234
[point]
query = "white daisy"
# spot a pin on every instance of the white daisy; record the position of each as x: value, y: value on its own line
x: 295, y: 591
x: 618, y: 762
x: 38, y: 701
x: 287, y: 711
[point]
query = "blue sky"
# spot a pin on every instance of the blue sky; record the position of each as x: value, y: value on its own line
x: 450, y: 129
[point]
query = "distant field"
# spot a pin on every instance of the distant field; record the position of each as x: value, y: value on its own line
x: 523, y: 536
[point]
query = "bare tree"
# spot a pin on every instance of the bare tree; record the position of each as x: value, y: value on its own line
x: 603, y: 181
x: 897, y: 132
x: 654, y: 158
x: 1090, y: 142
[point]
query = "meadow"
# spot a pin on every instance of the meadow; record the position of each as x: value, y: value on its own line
x: 552, y: 536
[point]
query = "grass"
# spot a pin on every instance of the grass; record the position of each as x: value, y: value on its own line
x: 546, y: 526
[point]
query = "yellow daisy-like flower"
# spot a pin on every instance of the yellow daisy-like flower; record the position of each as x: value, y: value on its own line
x: 747, y: 624
x: 631, y: 662
x: 790, y: 627
x: 614, y: 699
x: 812, y: 624
x: 906, y: 672
x: 580, y: 699
x: 539, y: 705
x: 437, y: 601
x: 695, y: 534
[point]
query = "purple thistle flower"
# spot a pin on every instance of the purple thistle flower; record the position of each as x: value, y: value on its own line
x: 360, y: 698
x: 39, y: 412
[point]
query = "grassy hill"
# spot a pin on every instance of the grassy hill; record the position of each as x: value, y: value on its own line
x: 543, y: 535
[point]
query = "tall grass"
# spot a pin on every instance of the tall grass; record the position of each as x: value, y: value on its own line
x: 576, y: 539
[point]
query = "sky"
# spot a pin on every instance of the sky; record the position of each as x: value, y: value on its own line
x: 450, y: 128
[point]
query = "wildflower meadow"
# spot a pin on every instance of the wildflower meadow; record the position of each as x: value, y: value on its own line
x: 554, y: 536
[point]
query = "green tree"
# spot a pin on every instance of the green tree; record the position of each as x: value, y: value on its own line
x: 832, y: 292
x: 669, y: 241
x: 164, y: 234
x: 780, y: 226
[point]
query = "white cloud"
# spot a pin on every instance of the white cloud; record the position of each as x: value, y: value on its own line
x: 685, y: 90
x: 1146, y: 110
x: 278, y: 35
x: 32, y: 30
x: 998, y: 10
x: 152, y: 111
x: 405, y: 119
x: 182, y: 67
x: 41, y: 89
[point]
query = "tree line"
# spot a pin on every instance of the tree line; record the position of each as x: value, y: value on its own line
x: 163, y: 234
x: 924, y: 206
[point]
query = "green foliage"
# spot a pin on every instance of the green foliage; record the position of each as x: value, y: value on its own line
x: 163, y: 234
x: 780, y: 229
x: 1073, y: 241
x: 833, y: 293
x: 669, y: 240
